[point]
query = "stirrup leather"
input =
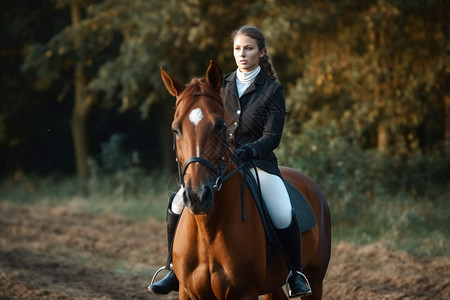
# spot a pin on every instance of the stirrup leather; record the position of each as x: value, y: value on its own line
x: 288, y: 289
x: 170, y: 268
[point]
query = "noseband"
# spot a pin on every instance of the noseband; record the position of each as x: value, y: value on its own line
x: 219, y: 168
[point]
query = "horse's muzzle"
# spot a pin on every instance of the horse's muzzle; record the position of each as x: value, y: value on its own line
x: 199, y: 200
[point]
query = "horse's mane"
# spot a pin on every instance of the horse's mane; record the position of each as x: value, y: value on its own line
x: 198, y: 86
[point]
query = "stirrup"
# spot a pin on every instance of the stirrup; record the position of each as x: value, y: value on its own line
x: 170, y: 268
x: 288, y: 291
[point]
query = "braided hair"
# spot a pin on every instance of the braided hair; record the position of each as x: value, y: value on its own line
x: 264, y: 62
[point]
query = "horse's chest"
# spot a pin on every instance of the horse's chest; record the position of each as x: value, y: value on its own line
x: 223, y: 266
x: 213, y: 281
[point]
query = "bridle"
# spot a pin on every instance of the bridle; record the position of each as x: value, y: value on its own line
x: 219, y: 168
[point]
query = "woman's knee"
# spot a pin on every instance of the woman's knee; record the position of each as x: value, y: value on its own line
x: 177, y: 204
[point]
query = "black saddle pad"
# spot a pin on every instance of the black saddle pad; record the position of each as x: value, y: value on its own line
x: 305, y: 215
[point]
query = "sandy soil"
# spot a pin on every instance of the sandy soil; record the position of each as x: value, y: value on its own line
x: 59, y: 253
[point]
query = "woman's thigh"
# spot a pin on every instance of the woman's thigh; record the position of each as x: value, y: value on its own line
x: 276, y: 198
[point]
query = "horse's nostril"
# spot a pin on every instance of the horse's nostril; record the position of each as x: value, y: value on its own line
x: 192, y: 194
x: 207, y: 193
x: 198, y: 199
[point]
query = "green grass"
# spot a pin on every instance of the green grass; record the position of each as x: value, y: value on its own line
x: 405, y: 219
x: 400, y: 200
x: 417, y: 225
x: 129, y: 193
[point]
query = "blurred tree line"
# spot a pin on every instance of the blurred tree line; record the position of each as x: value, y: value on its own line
x: 79, y: 77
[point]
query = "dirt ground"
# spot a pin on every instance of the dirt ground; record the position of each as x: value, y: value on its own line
x: 60, y: 253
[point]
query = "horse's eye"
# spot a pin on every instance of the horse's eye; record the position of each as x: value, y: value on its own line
x: 219, y: 126
x: 176, y: 130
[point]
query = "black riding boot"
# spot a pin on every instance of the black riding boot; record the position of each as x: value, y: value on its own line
x: 170, y: 281
x: 290, y: 238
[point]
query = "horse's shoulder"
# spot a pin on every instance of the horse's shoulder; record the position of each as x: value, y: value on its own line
x: 296, y: 177
x: 289, y: 172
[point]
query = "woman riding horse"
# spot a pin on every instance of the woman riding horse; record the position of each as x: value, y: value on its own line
x: 254, y: 117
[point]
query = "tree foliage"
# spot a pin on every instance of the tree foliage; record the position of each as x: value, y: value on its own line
x: 369, y: 74
x: 374, y: 66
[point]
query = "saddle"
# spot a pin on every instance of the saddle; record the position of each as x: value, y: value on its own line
x: 303, y: 211
x: 301, y: 207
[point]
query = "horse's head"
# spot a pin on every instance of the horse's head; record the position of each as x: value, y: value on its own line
x: 199, y: 130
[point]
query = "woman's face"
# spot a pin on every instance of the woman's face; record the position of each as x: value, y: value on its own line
x: 246, y: 53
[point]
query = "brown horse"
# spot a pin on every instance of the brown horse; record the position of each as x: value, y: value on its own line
x: 216, y: 253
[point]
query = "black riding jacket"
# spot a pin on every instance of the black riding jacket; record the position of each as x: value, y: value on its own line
x: 257, y: 118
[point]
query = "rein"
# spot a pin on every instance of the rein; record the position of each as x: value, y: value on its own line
x: 219, y: 170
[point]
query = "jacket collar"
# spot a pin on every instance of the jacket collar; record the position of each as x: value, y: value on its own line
x: 231, y: 82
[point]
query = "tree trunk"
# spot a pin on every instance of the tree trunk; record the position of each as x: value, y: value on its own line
x: 82, y: 104
x: 382, y: 139
x: 80, y: 139
x: 168, y: 159
x: 447, y: 122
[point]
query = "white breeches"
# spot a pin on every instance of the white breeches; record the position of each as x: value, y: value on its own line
x: 273, y: 192
x: 177, y: 202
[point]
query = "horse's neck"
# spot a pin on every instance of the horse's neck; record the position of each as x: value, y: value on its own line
x: 226, y: 207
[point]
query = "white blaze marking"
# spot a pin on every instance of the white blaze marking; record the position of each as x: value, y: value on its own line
x: 196, y: 116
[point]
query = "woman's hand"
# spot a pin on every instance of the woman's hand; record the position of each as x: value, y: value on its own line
x: 245, y: 153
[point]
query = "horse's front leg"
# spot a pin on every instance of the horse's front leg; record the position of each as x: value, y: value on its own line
x: 242, y: 297
x: 183, y: 294
x: 278, y: 295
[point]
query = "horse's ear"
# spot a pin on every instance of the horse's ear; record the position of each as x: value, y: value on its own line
x: 173, y: 85
x: 214, y: 75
